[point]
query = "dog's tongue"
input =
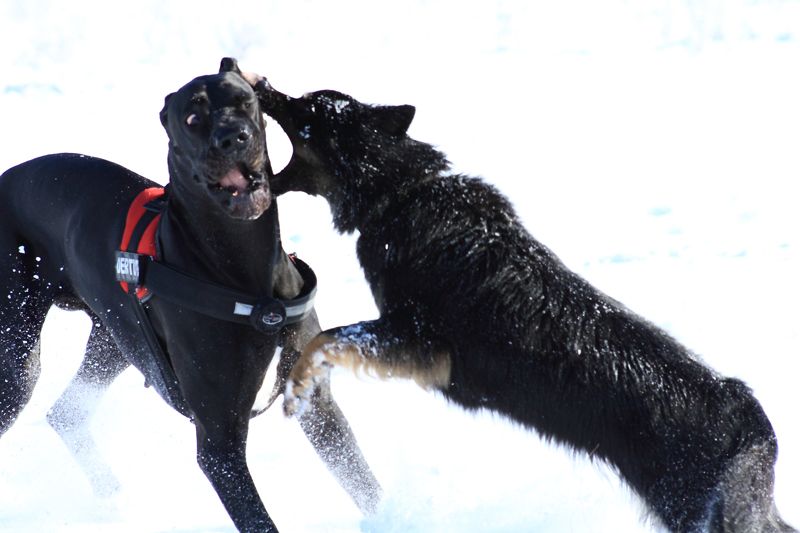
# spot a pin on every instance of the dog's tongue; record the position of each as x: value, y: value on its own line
x: 234, y: 178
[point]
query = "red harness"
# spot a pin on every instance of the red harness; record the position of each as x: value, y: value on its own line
x: 141, y: 274
x: 137, y: 267
x: 147, y: 235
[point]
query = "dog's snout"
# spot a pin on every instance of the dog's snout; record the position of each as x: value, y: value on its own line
x: 228, y: 140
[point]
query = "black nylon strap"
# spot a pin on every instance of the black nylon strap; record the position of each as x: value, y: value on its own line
x: 266, y: 314
x: 169, y: 378
x: 139, y: 229
x: 181, y: 288
x: 159, y: 203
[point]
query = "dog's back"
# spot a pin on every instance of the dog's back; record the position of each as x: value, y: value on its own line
x: 48, y: 198
x: 533, y: 341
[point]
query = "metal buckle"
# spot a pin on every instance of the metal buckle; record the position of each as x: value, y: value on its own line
x: 268, y: 316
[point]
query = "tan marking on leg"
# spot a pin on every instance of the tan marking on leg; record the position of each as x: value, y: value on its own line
x: 300, y: 382
x: 352, y: 356
x: 325, y: 350
x: 428, y: 376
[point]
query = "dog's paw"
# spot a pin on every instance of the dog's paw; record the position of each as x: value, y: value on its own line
x: 306, y: 375
x: 252, y: 78
x: 296, y: 399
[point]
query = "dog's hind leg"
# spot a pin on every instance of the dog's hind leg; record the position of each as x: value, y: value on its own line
x: 19, y: 371
x: 745, y: 501
x: 22, y: 313
x: 72, y: 412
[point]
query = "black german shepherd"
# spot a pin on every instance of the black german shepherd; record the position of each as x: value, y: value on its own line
x: 62, y: 219
x: 472, y: 306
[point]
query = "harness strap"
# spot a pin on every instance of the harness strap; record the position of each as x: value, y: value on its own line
x: 141, y: 275
x: 140, y: 229
x: 147, y: 218
x: 138, y: 267
x: 139, y: 237
x: 169, y: 380
x: 266, y: 314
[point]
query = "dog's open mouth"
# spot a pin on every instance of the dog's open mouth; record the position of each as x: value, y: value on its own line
x: 244, y: 193
x: 238, y: 180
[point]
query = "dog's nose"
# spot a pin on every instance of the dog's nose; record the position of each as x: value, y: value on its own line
x: 230, y: 139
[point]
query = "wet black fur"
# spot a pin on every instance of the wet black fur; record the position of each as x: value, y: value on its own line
x: 61, y: 220
x: 450, y: 264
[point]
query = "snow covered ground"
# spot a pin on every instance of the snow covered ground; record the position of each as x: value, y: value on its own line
x: 653, y: 147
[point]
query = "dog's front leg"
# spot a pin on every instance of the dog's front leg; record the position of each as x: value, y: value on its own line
x: 390, y: 347
x: 221, y: 456
x: 329, y: 433
x: 220, y: 380
x: 326, y: 427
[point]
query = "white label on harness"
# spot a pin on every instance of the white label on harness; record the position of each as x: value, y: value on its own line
x: 127, y: 267
x: 242, y: 309
x: 300, y: 310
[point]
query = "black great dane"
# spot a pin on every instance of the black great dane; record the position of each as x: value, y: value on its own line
x: 62, y: 219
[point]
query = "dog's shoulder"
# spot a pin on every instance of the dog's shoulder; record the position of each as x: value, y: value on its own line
x: 443, y: 225
x: 455, y: 205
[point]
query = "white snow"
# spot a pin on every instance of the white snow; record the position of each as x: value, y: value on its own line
x: 652, y: 145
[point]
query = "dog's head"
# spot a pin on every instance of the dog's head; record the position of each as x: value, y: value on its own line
x: 353, y: 154
x: 217, y: 148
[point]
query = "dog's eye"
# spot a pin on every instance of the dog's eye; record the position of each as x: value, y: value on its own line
x: 191, y: 119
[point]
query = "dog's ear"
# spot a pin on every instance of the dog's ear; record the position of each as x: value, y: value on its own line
x: 164, y: 114
x: 229, y: 64
x: 394, y: 120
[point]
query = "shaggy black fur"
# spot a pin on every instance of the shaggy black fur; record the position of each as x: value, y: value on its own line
x: 464, y: 289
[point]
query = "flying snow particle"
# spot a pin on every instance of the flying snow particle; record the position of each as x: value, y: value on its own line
x: 340, y: 104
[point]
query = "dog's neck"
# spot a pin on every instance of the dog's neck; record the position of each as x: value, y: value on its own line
x: 380, y: 180
x: 239, y: 254
x: 394, y: 197
x: 360, y: 207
